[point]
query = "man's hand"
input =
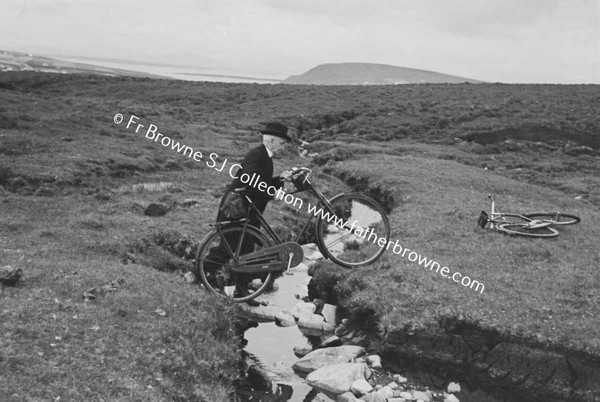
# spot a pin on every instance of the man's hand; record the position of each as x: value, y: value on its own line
x: 286, y: 175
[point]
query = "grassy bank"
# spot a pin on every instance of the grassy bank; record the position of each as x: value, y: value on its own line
x: 74, y: 186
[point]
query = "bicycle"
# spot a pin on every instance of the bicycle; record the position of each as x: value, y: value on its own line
x: 533, y: 224
x: 253, y: 256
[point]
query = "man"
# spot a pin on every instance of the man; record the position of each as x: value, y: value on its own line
x: 259, y: 161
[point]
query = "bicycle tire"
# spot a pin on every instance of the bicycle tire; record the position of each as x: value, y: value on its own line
x: 513, y: 229
x: 555, y: 217
x: 240, y: 281
x: 346, y: 250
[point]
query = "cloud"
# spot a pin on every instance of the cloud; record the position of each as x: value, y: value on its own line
x: 508, y: 40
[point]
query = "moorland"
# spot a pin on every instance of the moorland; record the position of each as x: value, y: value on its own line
x: 74, y: 186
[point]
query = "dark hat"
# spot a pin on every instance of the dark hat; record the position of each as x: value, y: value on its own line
x: 277, y: 130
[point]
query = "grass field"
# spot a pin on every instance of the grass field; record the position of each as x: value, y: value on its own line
x: 73, y: 184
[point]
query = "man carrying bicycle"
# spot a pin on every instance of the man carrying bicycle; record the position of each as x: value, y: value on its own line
x: 258, y: 161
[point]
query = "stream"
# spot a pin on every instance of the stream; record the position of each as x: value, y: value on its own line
x: 272, y: 347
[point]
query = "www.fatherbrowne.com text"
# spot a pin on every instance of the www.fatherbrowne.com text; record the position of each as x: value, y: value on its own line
x: 213, y: 161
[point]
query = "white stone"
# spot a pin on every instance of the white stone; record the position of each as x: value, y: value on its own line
x: 361, y: 387
x: 347, y: 397
x: 396, y: 400
x: 450, y: 398
x: 337, y: 378
x: 393, y: 385
x: 407, y: 395
x: 400, y: 379
x: 313, y: 321
x: 329, y: 312
x: 386, y: 392
x: 285, y: 319
x: 453, y: 387
x: 424, y: 396
x: 374, y: 361
x: 328, y: 356
x: 302, y: 308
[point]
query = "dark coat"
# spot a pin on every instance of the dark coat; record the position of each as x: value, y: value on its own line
x: 256, y: 161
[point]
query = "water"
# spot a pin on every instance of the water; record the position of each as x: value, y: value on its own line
x: 274, y: 346
x: 186, y: 73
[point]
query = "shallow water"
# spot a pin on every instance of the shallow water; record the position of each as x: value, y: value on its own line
x: 273, y: 347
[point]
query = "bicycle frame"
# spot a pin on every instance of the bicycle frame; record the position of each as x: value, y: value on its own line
x: 265, y: 225
x: 500, y: 217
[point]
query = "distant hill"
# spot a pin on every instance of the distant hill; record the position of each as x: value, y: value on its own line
x: 370, y: 74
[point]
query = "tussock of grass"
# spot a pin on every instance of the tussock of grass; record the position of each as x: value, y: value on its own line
x: 545, y: 289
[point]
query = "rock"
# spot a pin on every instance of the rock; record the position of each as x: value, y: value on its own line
x: 313, y: 321
x: 9, y: 275
x: 393, y: 385
x: 374, y: 361
x: 261, y: 313
x: 346, y: 397
x: 407, y: 395
x: 331, y: 341
x: 155, y: 210
x: 420, y: 395
x: 328, y: 356
x: 396, y: 400
x: 189, y: 202
x: 386, y: 392
x: 285, y: 319
x: 453, y: 387
x: 373, y: 397
x: 303, y: 350
x: 328, y: 328
x: 450, y: 398
x: 361, y: 387
x: 303, y: 309
x: 399, y: 379
x: 336, y: 378
x: 329, y: 312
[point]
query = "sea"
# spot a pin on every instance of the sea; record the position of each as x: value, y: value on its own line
x: 185, y: 73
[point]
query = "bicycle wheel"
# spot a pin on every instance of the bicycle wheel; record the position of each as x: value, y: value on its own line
x: 214, y: 261
x: 352, y: 237
x: 525, y: 229
x: 557, y: 218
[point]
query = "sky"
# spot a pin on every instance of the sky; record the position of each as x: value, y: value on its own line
x: 512, y: 41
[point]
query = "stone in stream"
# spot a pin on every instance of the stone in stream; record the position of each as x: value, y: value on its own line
x: 313, y: 321
x: 453, y: 387
x: 302, y: 309
x: 285, y: 319
x: 450, y: 398
x: 347, y: 397
x: 326, y: 357
x: 331, y: 341
x: 336, y: 378
x: 303, y: 350
x: 386, y: 392
x: 374, y: 361
x: 261, y: 313
x: 329, y: 312
x: 423, y: 396
x: 361, y: 387
x: 373, y: 397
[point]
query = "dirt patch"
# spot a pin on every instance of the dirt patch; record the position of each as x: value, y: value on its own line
x: 484, y: 358
x: 536, y: 134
